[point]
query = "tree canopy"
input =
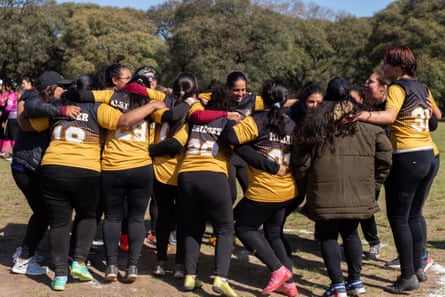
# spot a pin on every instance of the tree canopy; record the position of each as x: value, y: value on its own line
x: 287, y: 39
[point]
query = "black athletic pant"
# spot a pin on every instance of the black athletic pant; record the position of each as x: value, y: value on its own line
x: 206, y: 196
x: 166, y: 196
x: 65, y: 189
x: 328, y: 232
x: 133, y: 186
x: 270, y: 248
x: 407, y: 187
x: 29, y: 183
x: 369, y: 228
x: 237, y: 171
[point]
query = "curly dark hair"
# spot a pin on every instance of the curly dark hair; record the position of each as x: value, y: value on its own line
x: 221, y: 99
x: 329, y: 120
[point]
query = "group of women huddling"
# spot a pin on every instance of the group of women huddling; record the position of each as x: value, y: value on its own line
x: 117, y: 146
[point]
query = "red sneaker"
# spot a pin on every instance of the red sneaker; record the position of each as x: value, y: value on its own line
x: 151, y: 239
x: 123, y: 243
x: 288, y: 289
x: 277, y: 278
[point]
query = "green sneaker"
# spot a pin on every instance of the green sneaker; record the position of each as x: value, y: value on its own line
x: 58, y: 283
x: 191, y: 282
x: 80, y: 271
x: 222, y: 287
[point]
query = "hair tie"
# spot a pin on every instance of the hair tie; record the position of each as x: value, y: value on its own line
x: 277, y: 105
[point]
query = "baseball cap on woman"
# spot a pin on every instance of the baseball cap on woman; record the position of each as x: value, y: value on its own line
x: 50, y: 78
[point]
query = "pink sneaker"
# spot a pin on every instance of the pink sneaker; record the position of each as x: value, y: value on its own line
x: 277, y: 278
x: 288, y: 289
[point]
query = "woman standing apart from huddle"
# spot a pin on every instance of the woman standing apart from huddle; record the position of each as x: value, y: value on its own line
x: 407, y: 114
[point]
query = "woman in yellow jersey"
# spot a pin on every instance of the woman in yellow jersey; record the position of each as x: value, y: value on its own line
x: 71, y: 179
x: 204, y: 195
x: 406, y: 114
x: 268, y: 195
x: 170, y: 138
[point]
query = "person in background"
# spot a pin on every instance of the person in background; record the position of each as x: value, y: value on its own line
x: 374, y: 93
x: 268, y: 196
x: 10, y: 125
x: 341, y: 163
x: 407, y: 113
x: 150, y: 74
x: 308, y: 99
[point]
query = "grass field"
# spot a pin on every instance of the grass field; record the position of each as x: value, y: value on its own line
x: 247, y: 275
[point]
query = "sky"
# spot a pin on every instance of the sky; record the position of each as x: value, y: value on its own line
x: 358, y: 8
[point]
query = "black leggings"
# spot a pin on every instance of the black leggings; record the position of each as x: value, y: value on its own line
x: 134, y: 186
x: 165, y: 196
x: 369, y: 228
x: 407, y: 187
x: 206, y: 196
x: 65, y: 189
x: 237, y: 171
x: 29, y: 183
x: 270, y: 248
x: 328, y: 232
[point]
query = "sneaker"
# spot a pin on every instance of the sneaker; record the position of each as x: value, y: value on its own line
x: 179, y: 271
x: 336, y: 290
x: 221, y: 286
x: 393, y: 263
x: 421, y: 275
x: 80, y: 271
x: 288, y: 289
x: 58, y: 283
x: 355, y: 288
x: 98, y: 242
x: 151, y: 239
x: 28, y: 266
x: 277, y: 278
x: 212, y: 240
x: 374, y: 252
x: 427, y: 263
x: 172, y: 238
x: 131, y: 274
x: 160, y: 268
x: 111, y: 273
x: 403, y: 285
x: 17, y: 253
x: 191, y: 282
x: 123, y: 243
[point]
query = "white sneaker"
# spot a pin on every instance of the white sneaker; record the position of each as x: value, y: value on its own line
x: 172, y: 238
x: 28, y: 266
x: 18, y: 252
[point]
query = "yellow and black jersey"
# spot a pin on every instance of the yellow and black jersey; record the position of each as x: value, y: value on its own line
x: 204, y: 150
x: 127, y: 148
x: 264, y: 186
x: 165, y: 167
x: 77, y: 143
x: 250, y: 103
x: 410, y: 130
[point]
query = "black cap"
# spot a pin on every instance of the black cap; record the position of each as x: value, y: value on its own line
x: 50, y: 78
x: 338, y: 89
x: 145, y: 70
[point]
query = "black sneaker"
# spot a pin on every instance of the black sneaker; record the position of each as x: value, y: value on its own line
x: 404, y: 284
x: 393, y: 263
